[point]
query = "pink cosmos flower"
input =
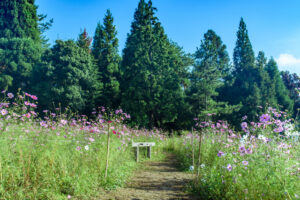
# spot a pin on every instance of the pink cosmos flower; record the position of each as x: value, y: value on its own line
x: 44, y: 124
x: 244, y: 125
x: 4, y: 112
x: 33, y: 105
x: 229, y: 167
x: 249, y: 151
x: 220, y: 154
x: 278, y: 129
x: 10, y: 95
x: 34, y: 97
x: 245, y: 162
x: 63, y: 122
x: 264, y: 118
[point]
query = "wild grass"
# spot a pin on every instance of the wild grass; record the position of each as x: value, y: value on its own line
x: 241, y: 167
x: 40, y: 163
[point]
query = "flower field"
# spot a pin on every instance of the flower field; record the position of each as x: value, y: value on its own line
x: 58, y: 157
x: 64, y: 156
x: 262, y: 162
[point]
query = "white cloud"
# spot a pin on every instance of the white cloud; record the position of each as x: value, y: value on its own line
x: 288, y: 62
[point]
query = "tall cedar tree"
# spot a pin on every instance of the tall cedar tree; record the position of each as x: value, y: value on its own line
x: 266, y: 85
x: 210, y: 67
x: 105, y: 51
x: 292, y: 83
x: 281, y: 93
x: 245, y: 89
x: 68, y: 76
x: 18, y: 57
x: 152, y: 69
x: 19, y: 19
x: 84, y: 41
x: 20, y: 49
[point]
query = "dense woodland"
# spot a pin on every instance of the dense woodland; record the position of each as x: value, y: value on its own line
x: 153, y: 79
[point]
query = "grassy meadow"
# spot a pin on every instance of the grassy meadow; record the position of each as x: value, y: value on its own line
x: 60, y: 156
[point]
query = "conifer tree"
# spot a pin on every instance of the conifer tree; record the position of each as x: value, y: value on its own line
x: 281, y: 93
x: 151, y: 71
x: 20, y: 48
x: 211, y: 66
x: 266, y: 85
x: 19, y: 19
x: 292, y: 83
x: 105, y: 51
x: 68, y: 76
x: 18, y: 57
x: 245, y: 89
x: 84, y: 41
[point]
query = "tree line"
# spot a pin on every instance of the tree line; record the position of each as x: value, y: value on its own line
x: 154, y: 80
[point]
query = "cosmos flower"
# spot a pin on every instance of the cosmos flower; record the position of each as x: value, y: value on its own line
x: 245, y: 162
x: 10, y: 95
x: 229, y: 167
x: 4, y: 112
x: 244, y: 125
x: 220, y: 154
x: 264, y: 118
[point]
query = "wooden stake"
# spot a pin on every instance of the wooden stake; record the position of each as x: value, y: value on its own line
x: 193, y: 148
x: 199, y: 155
x: 137, y: 154
x: 149, y: 151
x: 107, y: 150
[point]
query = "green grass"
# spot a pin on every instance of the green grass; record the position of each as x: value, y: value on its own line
x: 40, y: 163
x: 272, y: 172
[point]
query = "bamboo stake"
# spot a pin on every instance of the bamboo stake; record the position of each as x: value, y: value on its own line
x: 107, y: 150
x: 199, y: 154
x: 193, y: 148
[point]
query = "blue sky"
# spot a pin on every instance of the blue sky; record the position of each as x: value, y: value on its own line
x: 273, y: 25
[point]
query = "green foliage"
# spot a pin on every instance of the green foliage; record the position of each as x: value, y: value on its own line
x: 50, y: 167
x: 105, y: 51
x: 155, y: 81
x: 67, y: 76
x: 268, y: 172
x: 60, y: 157
x: 18, y: 57
x: 84, y: 41
x: 266, y: 85
x: 152, y: 69
x: 281, y: 93
x: 292, y: 83
x: 210, y: 68
x: 19, y: 19
x: 247, y: 78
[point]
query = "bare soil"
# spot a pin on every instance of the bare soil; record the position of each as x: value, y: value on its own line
x: 155, y: 181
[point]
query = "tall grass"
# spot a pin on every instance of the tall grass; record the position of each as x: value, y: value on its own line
x: 59, y: 157
x: 248, y: 166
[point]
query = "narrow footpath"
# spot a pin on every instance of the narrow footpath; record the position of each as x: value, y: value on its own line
x: 156, y: 181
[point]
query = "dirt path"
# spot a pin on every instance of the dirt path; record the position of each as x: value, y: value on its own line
x: 157, y: 181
